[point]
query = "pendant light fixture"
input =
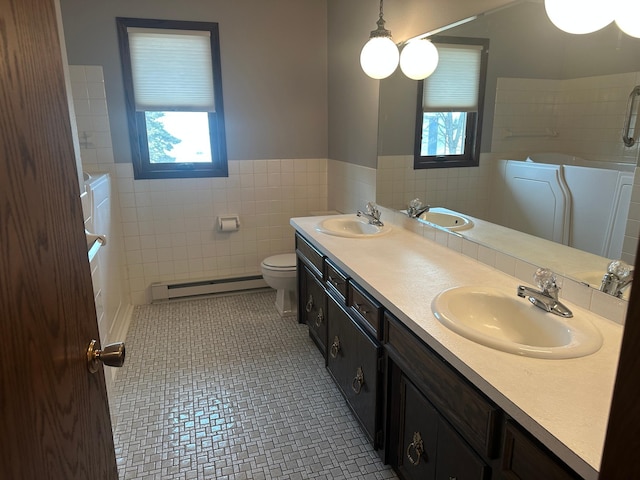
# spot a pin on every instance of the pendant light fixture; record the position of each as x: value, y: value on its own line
x: 579, y: 16
x: 628, y: 17
x: 379, y: 57
x: 419, y: 59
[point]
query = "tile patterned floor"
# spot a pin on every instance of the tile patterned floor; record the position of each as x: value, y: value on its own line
x: 223, y: 388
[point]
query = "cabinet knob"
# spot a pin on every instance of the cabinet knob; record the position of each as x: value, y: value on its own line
x: 335, y: 347
x: 360, y: 307
x: 358, y: 381
x: 309, y: 305
x: 334, y: 282
x: 319, y: 317
x: 415, y: 448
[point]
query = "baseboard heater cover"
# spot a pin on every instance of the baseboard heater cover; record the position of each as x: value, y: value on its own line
x: 166, y: 290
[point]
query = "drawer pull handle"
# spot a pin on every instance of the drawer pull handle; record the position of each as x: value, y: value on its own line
x: 358, y: 381
x: 320, y: 317
x: 335, y: 347
x: 334, y: 282
x: 418, y: 448
x: 361, y: 309
x: 309, y: 305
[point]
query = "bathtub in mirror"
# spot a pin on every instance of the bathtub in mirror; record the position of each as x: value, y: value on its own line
x: 547, y: 91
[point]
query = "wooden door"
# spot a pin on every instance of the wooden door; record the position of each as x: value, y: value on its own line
x: 54, y: 414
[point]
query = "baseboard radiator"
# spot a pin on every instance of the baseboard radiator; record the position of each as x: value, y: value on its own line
x: 167, y: 290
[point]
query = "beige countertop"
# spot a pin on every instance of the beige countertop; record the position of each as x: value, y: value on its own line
x: 563, y: 403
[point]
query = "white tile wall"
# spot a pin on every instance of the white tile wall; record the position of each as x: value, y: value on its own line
x: 168, y: 225
x: 462, y: 189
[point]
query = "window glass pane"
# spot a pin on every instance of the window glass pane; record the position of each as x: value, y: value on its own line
x: 178, y: 137
x: 443, y: 133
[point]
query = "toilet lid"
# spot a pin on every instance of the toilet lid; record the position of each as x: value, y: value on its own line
x: 284, y: 261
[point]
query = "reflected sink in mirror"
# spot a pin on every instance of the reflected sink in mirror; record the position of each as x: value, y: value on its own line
x: 500, y: 320
x: 351, y: 227
x: 441, y: 217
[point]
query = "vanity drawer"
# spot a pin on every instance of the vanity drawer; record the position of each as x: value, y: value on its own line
x: 308, y: 253
x: 366, y: 308
x: 460, y: 402
x: 336, y: 280
x: 525, y: 459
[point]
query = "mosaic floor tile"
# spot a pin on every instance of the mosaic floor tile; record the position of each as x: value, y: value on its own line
x: 223, y: 388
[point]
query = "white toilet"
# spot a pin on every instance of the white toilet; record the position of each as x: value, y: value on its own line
x: 279, y: 271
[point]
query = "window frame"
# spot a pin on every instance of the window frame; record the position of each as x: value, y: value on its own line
x: 473, y: 132
x: 142, y: 166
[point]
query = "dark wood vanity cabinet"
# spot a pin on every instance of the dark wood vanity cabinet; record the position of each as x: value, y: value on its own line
x: 421, y: 414
x: 525, y: 459
x: 439, y: 427
x: 428, y: 448
x: 353, y: 360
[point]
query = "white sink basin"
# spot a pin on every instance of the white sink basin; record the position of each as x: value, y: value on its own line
x: 353, y: 227
x: 500, y: 320
x: 446, y: 220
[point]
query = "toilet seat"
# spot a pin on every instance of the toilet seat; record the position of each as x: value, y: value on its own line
x: 282, y: 262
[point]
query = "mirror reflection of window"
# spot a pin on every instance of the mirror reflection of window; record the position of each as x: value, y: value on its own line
x: 450, y: 105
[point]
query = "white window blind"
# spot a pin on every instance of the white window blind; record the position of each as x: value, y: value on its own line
x: 171, y: 69
x: 453, y: 87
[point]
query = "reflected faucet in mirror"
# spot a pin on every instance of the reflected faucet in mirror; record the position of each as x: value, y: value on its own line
x: 618, y: 277
x: 415, y: 208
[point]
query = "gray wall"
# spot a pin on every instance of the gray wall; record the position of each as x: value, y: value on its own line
x: 274, y: 63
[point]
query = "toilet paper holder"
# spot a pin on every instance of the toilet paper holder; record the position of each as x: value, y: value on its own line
x: 228, y: 223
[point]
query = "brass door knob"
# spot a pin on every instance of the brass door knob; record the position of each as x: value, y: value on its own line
x: 112, y: 355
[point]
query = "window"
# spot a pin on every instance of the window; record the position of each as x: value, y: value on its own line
x: 450, y: 102
x: 173, y: 93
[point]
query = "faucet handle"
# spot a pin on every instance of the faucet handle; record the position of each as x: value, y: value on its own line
x: 546, y: 281
x: 620, y: 269
x: 372, y: 209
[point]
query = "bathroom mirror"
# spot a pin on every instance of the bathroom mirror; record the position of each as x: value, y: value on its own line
x: 547, y: 92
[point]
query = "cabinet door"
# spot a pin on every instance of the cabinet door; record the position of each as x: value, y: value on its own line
x: 525, y: 459
x: 456, y: 460
x: 418, y: 434
x: 313, y: 309
x: 352, y: 360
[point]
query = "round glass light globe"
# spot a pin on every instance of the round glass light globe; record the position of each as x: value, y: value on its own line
x: 628, y: 17
x: 379, y: 57
x: 419, y: 59
x: 579, y: 16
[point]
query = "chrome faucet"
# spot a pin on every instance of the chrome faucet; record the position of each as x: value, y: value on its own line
x: 372, y: 214
x: 619, y: 276
x: 547, y: 297
x: 415, y: 208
